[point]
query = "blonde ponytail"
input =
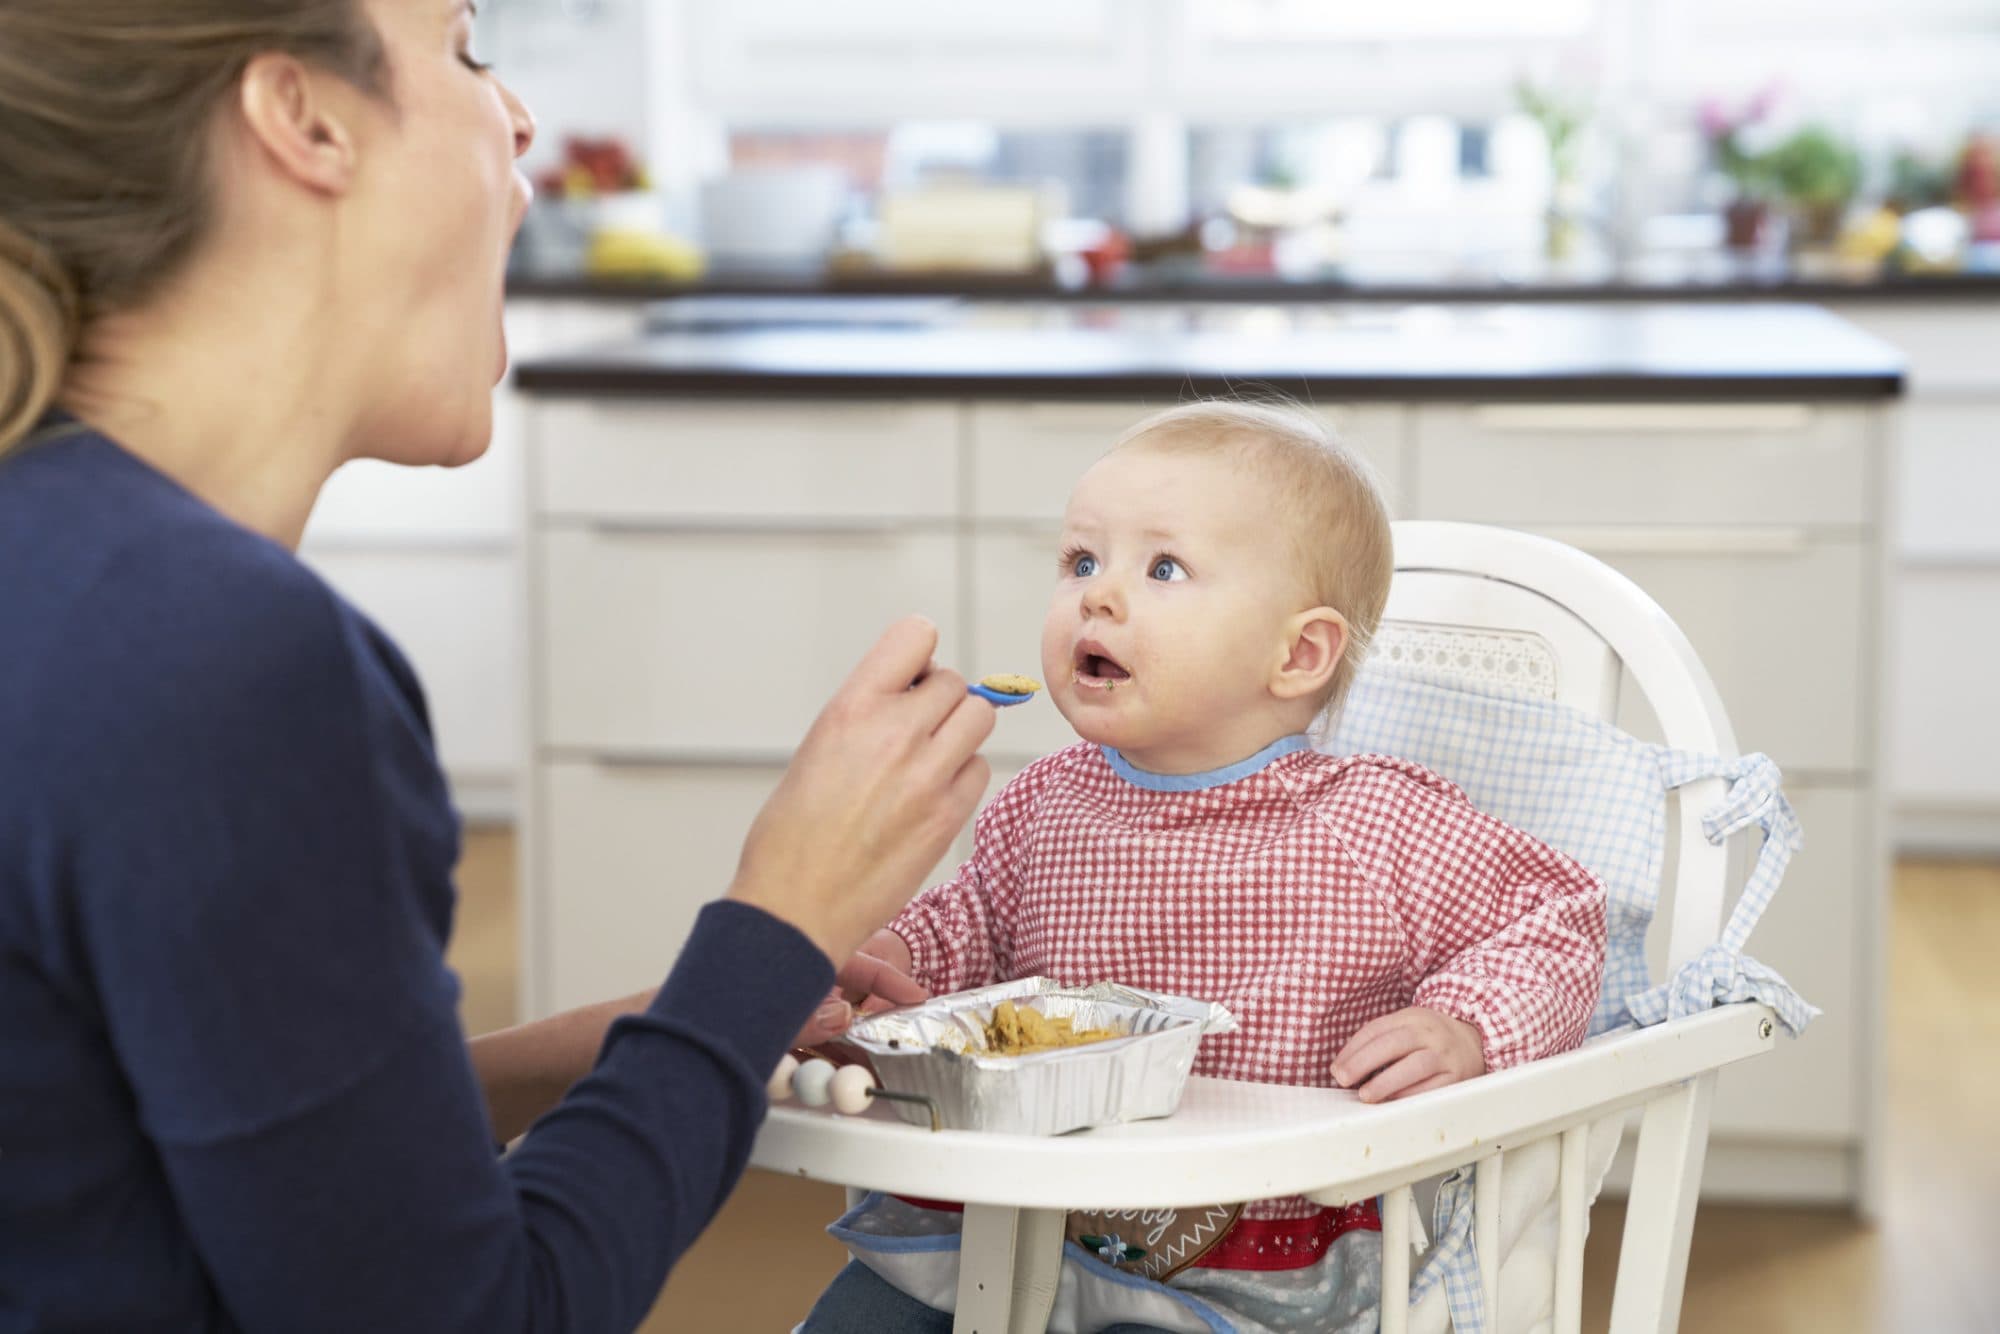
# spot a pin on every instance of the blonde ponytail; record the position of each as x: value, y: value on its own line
x: 106, y: 108
x: 38, y: 328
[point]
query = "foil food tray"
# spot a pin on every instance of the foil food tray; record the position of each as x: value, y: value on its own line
x: 938, y: 1051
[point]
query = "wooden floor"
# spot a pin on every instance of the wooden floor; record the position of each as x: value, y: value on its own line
x: 1928, y: 1266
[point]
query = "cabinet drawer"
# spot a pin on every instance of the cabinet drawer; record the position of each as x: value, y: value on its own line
x: 729, y: 642
x: 702, y: 460
x: 1524, y: 464
x: 632, y: 852
x: 1949, y: 474
x: 1812, y: 933
x: 1027, y: 456
x: 631, y: 855
x: 1946, y: 738
x: 1784, y: 627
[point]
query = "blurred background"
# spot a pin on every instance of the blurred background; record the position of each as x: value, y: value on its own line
x: 1151, y: 141
x: 747, y: 187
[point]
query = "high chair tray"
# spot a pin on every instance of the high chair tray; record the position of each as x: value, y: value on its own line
x: 1240, y: 1141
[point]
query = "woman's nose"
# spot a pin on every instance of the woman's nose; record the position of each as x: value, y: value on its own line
x: 523, y: 119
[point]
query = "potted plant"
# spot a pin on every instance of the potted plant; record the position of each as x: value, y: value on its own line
x: 1733, y: 145
x: 1562, y: 123
x: 1818, y: 175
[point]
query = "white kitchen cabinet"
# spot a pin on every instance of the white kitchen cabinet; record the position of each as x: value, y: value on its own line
x: 1946, y: 752
x: 629, y: 854
x: 676, y: 641
x: 724, y: 461
x: 1649, y: 464
x: 1779, y: 621
x: 1943, y: 760
x: 632, y: 851
x: 1948, y: 507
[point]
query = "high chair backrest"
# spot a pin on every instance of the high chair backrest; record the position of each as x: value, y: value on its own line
x: 1496, y: 608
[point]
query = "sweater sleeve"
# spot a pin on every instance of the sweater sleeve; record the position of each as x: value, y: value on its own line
x: 960, y: 931
x: 1505, y: 933
x: 262, y: 907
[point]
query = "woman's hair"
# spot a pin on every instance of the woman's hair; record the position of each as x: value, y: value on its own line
x: 106, y: 112
x: 1331, y: 506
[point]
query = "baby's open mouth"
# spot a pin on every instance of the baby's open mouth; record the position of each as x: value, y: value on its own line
x: 1095, y: 667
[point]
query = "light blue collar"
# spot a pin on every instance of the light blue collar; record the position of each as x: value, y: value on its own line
x: 1284, y: 745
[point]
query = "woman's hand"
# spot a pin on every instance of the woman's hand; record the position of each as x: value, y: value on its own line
x: 866, y: 983
x: 885, y: 779
x: 1407, y: 1052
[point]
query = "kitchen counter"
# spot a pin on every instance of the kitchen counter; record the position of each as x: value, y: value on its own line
x: 1746, y: 284
x: 1358, y: 352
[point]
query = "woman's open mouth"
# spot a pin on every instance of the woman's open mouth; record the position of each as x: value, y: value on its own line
x: 1096, y: 669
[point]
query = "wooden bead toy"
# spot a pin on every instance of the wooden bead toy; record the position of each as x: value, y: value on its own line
x: 779, y: 1086
x: 811, y: 1080
x: 852, y: 1086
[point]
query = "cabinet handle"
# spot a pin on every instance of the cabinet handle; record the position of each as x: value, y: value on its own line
x: 1596, y: 418
x: 1642, y: 541
x: 757, y: 526
x: 628, y: 760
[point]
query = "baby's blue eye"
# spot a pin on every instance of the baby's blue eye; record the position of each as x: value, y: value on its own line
x: 1084, y: 566
x: 1167, y: 569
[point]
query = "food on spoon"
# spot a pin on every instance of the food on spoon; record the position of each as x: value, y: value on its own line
x: 1009, y: 684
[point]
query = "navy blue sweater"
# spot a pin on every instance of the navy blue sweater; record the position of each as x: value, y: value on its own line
x: 233, y: 1089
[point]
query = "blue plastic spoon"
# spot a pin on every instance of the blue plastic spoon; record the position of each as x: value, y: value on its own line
x: 1000, y: 698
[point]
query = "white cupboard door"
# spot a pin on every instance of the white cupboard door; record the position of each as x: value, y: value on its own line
x: 632, y: 853
x: 704, y: 642
x: 1780, y: 627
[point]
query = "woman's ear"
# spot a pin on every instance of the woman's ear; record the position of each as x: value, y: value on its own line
x: 1316, y: 640
x: 290, y: 115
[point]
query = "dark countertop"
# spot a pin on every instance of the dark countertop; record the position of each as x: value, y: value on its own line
x: 1359, y: 351
x: 1746, y: 285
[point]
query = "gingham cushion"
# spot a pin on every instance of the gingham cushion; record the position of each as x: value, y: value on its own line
x: 1578, y: 784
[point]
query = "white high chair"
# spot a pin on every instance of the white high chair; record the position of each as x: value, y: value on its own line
x: 1564, y: 626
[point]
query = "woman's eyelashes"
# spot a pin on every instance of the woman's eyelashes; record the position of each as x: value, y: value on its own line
x: 476, y: 66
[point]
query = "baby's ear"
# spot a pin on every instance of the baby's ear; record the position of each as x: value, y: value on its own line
x: 1315, y: 642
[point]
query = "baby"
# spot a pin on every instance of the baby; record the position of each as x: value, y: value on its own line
x: 1221, y: 572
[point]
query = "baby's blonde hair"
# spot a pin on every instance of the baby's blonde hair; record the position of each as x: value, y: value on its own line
x: 1328, y: 496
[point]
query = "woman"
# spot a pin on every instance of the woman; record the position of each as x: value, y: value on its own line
x: 242, y: 242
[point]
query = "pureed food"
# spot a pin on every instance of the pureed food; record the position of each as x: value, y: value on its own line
x: 1016, y: 1030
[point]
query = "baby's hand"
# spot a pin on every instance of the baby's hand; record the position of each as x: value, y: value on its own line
x: 1407, y: 1052
x: 878, y: 976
